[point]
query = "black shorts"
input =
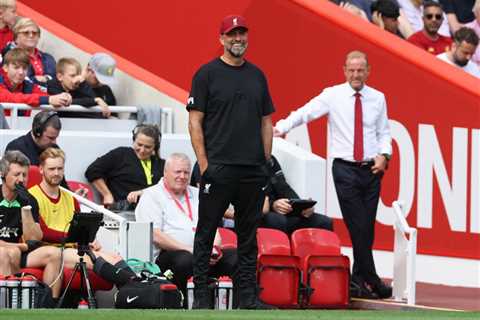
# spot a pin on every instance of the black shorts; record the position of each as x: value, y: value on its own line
x: 23, y: 259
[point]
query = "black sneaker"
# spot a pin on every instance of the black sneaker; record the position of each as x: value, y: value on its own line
x: 250, y: 301
x: 203, y: 299
x: 383, y: 290
x: 360, y: 289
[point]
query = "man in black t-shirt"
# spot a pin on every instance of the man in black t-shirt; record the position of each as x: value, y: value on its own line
x: 231, y: 133
x: 19, y: 225
x: 99, y: 74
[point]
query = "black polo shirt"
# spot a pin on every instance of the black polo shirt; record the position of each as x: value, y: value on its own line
x: 234, y: 99
x: 11, y: 229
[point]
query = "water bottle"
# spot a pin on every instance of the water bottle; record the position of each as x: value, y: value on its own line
x: 12, y: 293
x: 28, y: 286
x: 83, y: 304
x: 3, y: 292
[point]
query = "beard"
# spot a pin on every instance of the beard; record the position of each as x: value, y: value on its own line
x: 461, y: 63
x: 237, y: 50
x: 53, y: 181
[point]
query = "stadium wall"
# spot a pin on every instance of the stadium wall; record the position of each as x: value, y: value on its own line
x: 301, y: 44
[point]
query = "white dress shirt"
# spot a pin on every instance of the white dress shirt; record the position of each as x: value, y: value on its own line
x: 157, y: 205
x: 470, y: 67
x: 338, y: 102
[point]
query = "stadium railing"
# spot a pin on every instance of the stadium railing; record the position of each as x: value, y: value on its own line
x: 404, y: 257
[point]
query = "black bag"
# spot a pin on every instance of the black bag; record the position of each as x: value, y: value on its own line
x: 43, y: 296
x: 152, y: 293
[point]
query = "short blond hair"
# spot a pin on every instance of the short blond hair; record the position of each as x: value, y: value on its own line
x: 355, y: 54
x: 64, y: 62
x: 23, y: 23
x: 51, y: 153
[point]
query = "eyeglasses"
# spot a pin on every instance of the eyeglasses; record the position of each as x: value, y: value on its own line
x: 29, y: 33
x: 430, y: 16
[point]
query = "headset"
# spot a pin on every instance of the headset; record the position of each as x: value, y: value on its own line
x: 40, y: 122
x: 151, y: 131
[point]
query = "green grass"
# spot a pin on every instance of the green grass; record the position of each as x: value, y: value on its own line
x: 228, y: 315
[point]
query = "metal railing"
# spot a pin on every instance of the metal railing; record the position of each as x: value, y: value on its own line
x: 166, y: 114
x: 404, y: 257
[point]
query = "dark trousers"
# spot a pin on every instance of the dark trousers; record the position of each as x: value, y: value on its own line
x: 181, y: 264
x: 358, y: 191
x: 289, y: 223
x: 221, y: 185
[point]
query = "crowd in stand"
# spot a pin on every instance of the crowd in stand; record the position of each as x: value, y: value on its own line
x: 446, y: 28
x: 33, y: 223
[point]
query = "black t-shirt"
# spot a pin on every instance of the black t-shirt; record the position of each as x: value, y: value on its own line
x: 234, y: 100
x: 462, y: 9
x: 11, y: 218
x: 105, y: 92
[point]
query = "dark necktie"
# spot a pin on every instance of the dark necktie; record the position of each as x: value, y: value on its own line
x: 358, y: 133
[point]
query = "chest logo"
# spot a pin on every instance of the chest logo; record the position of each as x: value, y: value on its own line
x: 206, y: 190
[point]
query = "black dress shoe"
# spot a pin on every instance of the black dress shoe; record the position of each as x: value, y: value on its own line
x: 203, y: 299
x: 255, y: 304
x: 360, y: 289
x: 383, y: 290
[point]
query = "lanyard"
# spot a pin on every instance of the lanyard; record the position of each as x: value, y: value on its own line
x: 147, y: 168
x: 179, y: 205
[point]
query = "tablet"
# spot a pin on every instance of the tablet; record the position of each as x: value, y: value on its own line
x: 299, y: 205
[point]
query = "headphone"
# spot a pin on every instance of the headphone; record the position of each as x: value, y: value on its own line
x: 154, y: 133
x: 40, y: 122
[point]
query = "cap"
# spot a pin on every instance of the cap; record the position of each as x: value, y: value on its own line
x: 104, y: 66
x: 231, y: 22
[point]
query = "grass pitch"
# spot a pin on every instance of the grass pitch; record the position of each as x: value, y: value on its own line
x: 104, y: 314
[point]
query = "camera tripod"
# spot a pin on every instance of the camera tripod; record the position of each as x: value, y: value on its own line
x: 81, y: 268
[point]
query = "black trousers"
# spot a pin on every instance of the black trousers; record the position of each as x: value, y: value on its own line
x: 289, y: 223
x: 358, y: 192
x: 221, y: 185
x: 181, y: 264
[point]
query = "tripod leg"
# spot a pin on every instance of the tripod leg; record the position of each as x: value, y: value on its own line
x: 69, y: 283
x: 92, y: 302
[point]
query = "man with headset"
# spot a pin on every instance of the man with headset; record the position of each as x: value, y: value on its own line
x: 46, y: 127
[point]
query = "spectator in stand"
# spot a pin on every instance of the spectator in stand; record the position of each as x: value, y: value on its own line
x: 413, y: 11
x: 429, y: 38
x: 459, y: 12
x: 465, y: 42
x: 359, y: 8
x: 385, y: 15
x: 475, y: 25
x: 8, y: 17
x: 26, y: 35
x: 172, y: 206
x: 99, y: 75
x: 277, y: 211
x: 121, y: 175
x: 68, y: 79
x: 15, y: 88
x: 19, y: 223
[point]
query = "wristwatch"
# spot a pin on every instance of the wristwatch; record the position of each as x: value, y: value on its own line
x: 387, y: 156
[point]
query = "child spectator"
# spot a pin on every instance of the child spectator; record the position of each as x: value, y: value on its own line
x: 99, y: 75
x: 8, y: 16
x: 15, y: 88
x: 69, y: 79
x: 26, y: 35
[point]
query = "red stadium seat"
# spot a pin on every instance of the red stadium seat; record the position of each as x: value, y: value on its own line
x: 326, y: 271
x: 75, y: 185
x: 34, y: 176
x: 229, y: 238
x: 278, y: 273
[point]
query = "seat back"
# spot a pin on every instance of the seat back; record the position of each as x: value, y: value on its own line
x: 271, y: 241
x: 75, y: 185
x: 229, y: 238
x: 314, y: 241
x: 34, y: 176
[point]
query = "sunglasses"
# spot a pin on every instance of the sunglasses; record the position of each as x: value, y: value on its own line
x: 430, y: 16
x: 29, y: 33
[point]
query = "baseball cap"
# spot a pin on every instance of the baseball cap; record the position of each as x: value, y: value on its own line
x: 104, y: 66
x: 231, y: 22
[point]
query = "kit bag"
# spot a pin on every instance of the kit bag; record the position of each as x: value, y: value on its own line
x: 150, y: 293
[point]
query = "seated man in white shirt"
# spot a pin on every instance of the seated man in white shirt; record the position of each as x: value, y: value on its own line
x: 465, y: 42
x: 172, y: 206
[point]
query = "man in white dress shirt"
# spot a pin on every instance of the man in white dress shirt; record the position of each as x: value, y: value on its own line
x: 465, y: 42
x: 360, y: 144
x: 172, y: 206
